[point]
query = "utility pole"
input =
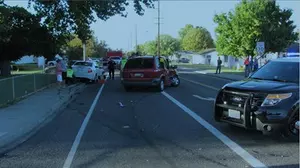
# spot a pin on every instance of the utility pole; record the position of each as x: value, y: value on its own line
x: 83, y: 50
x: 158, y: 28
x: 136, y: 39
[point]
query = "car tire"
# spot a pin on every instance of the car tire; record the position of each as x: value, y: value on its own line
x: 175, y: 81
x: 51, y: 64
x: 161, y: 85
x: 291, y: 131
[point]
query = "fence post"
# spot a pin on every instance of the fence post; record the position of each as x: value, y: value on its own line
x: 34, y: 82
x: 13, y: 87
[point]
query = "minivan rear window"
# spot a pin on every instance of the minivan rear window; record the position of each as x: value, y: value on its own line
x: 84, y: 63
x: 139, y: 63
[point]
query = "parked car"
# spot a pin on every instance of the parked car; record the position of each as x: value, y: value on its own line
x: 149, y: 71
x: 267, y: 101
x: 87, y: 70
x: 184, y: 60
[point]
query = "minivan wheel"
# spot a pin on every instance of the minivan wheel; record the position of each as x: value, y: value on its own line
x: 175, y: 81
x: 161, y: 86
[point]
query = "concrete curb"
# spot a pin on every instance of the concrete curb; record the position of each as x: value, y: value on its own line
x: 53, y: 112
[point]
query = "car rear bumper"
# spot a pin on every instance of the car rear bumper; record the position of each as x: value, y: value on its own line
x: 154, y: 82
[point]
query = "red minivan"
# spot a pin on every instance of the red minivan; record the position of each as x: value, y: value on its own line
x: 151, y: 71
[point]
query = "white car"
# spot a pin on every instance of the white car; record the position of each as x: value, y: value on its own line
x: 88, y: 70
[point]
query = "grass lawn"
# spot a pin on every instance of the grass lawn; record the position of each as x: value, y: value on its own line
x: 207, y: 67
x: 23, y: 69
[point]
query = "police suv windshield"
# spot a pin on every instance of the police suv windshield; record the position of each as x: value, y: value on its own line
x: 278, y: 71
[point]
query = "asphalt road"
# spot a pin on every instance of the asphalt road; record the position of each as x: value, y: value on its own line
x: 151, y: 129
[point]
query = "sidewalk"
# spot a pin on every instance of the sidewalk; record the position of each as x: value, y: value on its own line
x: 232, y: 76
x: 20, y: 121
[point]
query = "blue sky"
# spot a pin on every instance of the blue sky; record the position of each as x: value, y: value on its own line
x: 119, y: 32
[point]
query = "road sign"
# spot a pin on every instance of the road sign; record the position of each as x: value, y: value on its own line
x: 260, y: 47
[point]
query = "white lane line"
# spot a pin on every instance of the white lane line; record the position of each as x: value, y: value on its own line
x: 203, y: 98
x: 76, y: 143
x: 231, y: 144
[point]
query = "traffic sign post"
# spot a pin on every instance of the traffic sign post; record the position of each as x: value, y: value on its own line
x: 260, y: 48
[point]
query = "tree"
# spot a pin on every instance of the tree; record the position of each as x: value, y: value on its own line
x: 100, y: 49
x: 168, y: 46
x: 94, y: 48
x: 21, y: 34
x: 183, y: 31
x: 253, y: 21
x: 197, y: 39
x: 64, y: 15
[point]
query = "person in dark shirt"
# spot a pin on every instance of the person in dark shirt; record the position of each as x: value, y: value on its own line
x: 219, y: 65
x: 111, y: 68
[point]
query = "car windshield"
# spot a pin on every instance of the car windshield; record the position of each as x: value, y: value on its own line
x: 278, y: 71
x: 139, y: 63
x: 84, y: 63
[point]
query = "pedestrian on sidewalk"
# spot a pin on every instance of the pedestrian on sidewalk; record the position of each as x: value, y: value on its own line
x: 247, y: 65
x: 59, y: 71
x: 64, y: 72
x: 219, y: 65
x: 111, y: 68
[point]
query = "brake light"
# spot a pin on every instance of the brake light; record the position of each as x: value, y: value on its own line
x: 90, y: 71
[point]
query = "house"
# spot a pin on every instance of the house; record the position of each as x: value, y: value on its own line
x: 30, y: 59
x: 209, y: 56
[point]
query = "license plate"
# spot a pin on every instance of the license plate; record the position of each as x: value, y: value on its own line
x: 138, y: 75
x: 234, y: 114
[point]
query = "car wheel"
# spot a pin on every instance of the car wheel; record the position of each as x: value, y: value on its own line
x: 161, y: 85
x: 292, y: 130
x: 175, y: 81
x: 51, y: 64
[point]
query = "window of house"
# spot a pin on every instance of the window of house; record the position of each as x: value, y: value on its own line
x: 225, y: 58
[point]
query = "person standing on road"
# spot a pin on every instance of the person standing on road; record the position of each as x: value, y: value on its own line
x: 219, y: 65
x: 111, y: 68
x: 255, y: 65
x: 64, y: 72
x: 246, y: 63
x: 59, y: 71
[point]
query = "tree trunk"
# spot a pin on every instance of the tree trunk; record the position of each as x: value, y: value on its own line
x: 5, y: 69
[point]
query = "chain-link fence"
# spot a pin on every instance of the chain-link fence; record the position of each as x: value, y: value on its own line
x: 17, y: 87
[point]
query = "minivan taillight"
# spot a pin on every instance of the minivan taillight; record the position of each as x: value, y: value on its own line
x: 90, y: 71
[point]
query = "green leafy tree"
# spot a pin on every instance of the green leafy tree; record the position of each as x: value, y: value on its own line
x: 183, y: 31
x: 65, y: 15
x: 168, y: 46
x: 21, y: 34
x: 197, y: 39
x: 253, y: 21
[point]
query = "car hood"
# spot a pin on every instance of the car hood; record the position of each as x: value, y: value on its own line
x: 262, y: 86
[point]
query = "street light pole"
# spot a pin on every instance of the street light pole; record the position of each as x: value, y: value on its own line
x: 83, y: 50
x: 158, y: 28
x: 136, y: 38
